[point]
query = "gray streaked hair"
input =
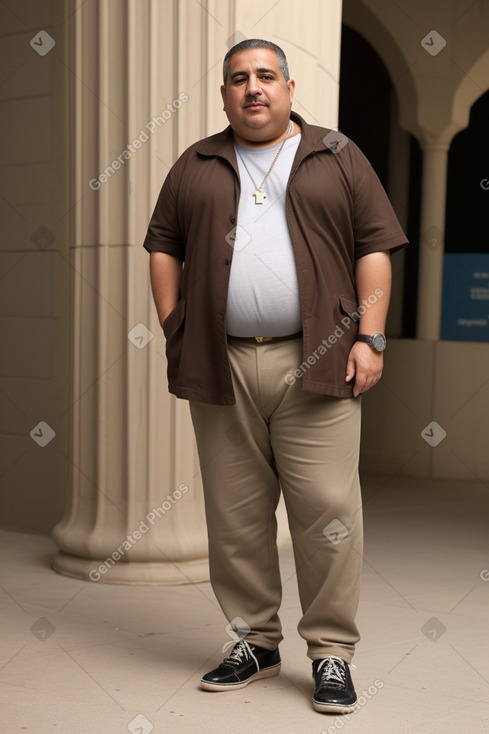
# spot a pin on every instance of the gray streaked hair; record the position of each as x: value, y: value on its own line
x: 256, y: 43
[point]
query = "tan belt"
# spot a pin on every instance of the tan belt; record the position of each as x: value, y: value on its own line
x: 263, y: 339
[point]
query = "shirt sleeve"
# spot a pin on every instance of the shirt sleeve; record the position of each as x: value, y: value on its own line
x: 164, y: 232
x: 376, y: 227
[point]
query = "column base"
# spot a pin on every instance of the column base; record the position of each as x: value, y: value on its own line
x: 185, y: 572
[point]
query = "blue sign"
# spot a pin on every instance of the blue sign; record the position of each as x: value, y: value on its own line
x: 465, y: 310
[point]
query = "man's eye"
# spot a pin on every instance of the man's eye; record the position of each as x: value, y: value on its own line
x: 267, y: 77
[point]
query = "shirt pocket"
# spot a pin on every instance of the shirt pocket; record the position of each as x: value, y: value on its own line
x: 173, y: 327
x: 174, y: 319
x: 349, y: 307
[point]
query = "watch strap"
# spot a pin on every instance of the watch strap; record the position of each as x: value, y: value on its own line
x: 377, y: 340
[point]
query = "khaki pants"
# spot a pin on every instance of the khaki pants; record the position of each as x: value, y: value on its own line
x: 278, y: 436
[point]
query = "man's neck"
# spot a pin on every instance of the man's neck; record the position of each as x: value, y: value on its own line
x: 266, y: 143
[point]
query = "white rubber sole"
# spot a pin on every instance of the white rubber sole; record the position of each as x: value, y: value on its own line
x: 265, y: 673
x: 331, y: 708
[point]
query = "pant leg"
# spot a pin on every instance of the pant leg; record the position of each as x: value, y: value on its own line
x: 241, y: 492
x: 315, y: 440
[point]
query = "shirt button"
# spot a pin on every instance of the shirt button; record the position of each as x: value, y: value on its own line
x: 226, y: 262
x: 232, y: 220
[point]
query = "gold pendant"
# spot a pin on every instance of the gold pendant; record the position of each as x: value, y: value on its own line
x: 260, y: 196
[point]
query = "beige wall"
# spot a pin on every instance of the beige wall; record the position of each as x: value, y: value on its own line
x: 59, y: 334
x: 35, y: 272
x: 425, y: 382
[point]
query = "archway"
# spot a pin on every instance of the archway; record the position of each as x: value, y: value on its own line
x: 369, y: 114
x: 467, y: 216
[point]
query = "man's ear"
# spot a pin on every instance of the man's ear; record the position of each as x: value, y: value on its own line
x: 291, y: 88
x: 223, y: 95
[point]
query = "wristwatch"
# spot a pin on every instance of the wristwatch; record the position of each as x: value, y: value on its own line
x: 377, y: 340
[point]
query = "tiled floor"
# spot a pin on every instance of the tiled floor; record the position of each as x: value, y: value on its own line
x: 80, y: 657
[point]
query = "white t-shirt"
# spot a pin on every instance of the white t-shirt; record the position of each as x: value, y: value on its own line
x: 263, y: 296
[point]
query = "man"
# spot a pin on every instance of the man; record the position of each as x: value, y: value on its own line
x: 274, y: 329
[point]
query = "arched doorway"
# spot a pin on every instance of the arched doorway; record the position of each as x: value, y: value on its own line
x: 465, y: 309
x: 368, y: 114
x: 467, y: 215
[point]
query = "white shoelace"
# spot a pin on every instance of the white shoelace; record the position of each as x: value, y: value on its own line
x: 333, y: 671
x: 241, y: 651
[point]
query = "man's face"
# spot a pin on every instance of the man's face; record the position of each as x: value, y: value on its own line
x: 257, y: 99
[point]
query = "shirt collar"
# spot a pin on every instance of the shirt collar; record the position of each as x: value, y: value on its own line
x: 222, y: 144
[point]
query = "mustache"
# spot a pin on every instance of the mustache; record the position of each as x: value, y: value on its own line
x: 251, y: 102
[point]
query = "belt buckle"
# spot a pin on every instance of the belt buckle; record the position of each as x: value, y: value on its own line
x: 261, y: 339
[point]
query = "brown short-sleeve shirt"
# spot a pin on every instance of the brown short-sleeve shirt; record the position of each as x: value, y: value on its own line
x: 337, y: 211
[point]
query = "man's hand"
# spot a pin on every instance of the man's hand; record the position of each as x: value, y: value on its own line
x: 365, y: 366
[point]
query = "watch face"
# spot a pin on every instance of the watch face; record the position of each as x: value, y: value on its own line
x: 379, y: 342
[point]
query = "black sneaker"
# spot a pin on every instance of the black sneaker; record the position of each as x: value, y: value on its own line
x: 334, y: 686
x: 246, y: 663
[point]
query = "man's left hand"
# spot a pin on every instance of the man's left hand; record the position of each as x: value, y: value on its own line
x: 364, y: 366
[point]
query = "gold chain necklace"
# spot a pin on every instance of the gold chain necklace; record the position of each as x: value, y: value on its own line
x: 258, y: 193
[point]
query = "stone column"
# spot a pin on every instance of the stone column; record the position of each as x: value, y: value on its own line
x: 144, y: 85
x: 398, y: 191
x: 432, y: 238
x: 136, y: 512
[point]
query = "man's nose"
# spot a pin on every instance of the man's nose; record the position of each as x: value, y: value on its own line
x: 253, y: 87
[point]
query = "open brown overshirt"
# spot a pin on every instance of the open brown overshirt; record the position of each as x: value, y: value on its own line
x: 337, y: 211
